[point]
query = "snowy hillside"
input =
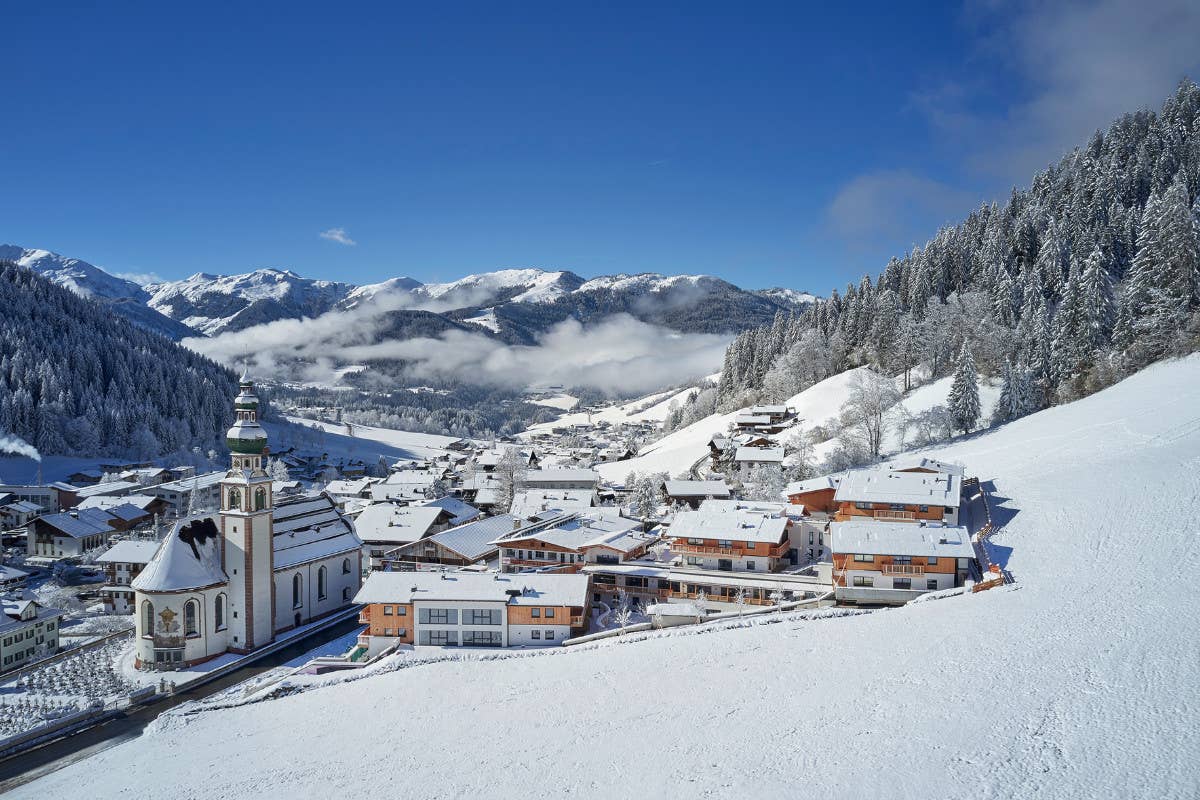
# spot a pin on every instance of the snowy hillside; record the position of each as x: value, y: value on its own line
x: 121, y: 296
x: 676, y: 452
x: 1079, y: 681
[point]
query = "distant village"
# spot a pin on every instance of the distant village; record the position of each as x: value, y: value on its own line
x: 496, y: 544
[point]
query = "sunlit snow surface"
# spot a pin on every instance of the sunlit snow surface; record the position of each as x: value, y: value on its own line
x: 1080, y: 681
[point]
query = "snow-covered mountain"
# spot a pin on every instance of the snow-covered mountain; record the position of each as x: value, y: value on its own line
x: 123, y: 296
x: 212, y: 304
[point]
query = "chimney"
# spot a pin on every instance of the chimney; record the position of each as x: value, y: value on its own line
x: 516, y: 524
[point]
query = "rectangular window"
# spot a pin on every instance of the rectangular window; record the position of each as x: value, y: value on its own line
x: 750, y: 565
x: 923, y: 509
x: 901, y: 583
x: 862, y: 580
x: 481, y: 616
x: 931, y: 584
x: 402, y: 632
x: 693, y: 561
x: 536, y: 613
x: 439, y: 638
x: 549, y: 613
x: 438, y: 616
x: 864, y: 559
x: 931, y: 561
x: 387, y: 611
x: 549, y: 634
x: 387, y: 632
x: 726, y: 543
x: 402, y: 610
x: 901, y: 559
x: 896, y: 506
x: 695, y: 541
x: 863, y: 506
x: 535, y: 635
x: 482, y: 639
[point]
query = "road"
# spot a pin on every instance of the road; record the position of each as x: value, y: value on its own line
x: 58, y: 753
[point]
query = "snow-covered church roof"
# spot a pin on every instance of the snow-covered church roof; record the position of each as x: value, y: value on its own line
x: 189, y: 558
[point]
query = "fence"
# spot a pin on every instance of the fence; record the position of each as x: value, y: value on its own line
x: 993, y: 575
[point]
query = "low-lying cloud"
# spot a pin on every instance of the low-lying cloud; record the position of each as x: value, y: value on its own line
x: 618, y: 354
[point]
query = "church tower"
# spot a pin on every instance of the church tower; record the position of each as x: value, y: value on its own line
x: 247, y: 528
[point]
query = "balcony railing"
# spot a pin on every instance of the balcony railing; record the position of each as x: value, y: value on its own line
x: 902, y: 569
x: 577, y: 622
x: 364, y: 617
x: 682, y: 546
x: 896, y: 516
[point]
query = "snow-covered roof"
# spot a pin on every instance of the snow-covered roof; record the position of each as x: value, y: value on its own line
x: 697, y: 488
x: 129, y: 552
x: 901, y: 539
x: 561, y: 475
x: 529, y: 589
x: 882, y: 485
x: 350, y: 488
x: 188, y: 558
x: 755, y: 455
x: 142, y: 501
x: 813, y: 484
x: 735, y: 524
x: 202, y: 481
x: 580, y: 532
x: 109, y: 488
x: 310, y: 527
x: 388, y: 523
x: 926, y: 463
x: 80, y: 523
x: 461, y: 512
x: 527, y: 502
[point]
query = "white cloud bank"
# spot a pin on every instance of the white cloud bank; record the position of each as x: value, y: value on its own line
x: 616, y: 354
x: 338, y: 235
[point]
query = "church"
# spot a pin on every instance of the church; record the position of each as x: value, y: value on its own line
x: 229, y: 582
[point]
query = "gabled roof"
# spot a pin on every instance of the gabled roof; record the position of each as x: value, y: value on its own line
x: 388, y: 523
x: 129, y: 552
x: 734, y: 523
x: 561, y: 475
x: 79, y: 524
x: 814, y: 484
x: 882, y: 485
x: 759, y: 454
x: 461, y: 512
x: 110, y: 488
x: 527, y: 502
x: 900, y: 539
x: 697, y: 488
x: 926, y: 463
x: 310, y: 527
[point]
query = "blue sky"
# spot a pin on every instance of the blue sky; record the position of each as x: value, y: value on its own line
x: 769, y: 144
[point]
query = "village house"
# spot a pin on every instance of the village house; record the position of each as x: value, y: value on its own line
x: 27, y: 630
x: 815, y: 494
x: 349, y: 489
x: 747, y: 458
x: 733, y: 537
x: 882, y: 494
x: 150, y: 506
x: 460, y: 512
x: 122, y: 563
x: 693, y: 493
x: 560, y: 478
x: 382, y: 527
x: 16, y: 513
x: 468, y: 609
x: 885, y: 563
x: 12, y: 578
x: 571, y: 543
x: 198, y: 492
x: 647, y: 581
x: 467, y: 544
x: 52, y: 497
x: 528, y: 502
x: 69, y: 534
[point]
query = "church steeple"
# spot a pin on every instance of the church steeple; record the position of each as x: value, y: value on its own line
x: 247, y: 441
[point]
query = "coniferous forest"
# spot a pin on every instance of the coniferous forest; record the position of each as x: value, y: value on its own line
x: 1090, y: 274
x: 77, y: 379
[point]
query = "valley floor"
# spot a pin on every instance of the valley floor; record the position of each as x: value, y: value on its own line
x: 1079, y: 681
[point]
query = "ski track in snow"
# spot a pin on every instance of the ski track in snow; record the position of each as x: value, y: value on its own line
x: 1080, y: 681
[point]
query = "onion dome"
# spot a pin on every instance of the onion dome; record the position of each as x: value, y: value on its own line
x: 246, y: 436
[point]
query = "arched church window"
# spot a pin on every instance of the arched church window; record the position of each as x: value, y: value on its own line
x: 297, y: 591
x: 345, y: 566
x: 219, y: 612
x: 147, y: 618
x: 235, y: 498
x: 191, y: 618
x: 322, y: 575
x: 260, y: 499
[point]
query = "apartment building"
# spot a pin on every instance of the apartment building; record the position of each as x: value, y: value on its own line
x: 890, y: 563
x: 471, y: 609
x: 887, y: 495
x: 733, y: 536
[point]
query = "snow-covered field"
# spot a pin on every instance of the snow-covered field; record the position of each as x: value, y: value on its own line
x: 676, y: 452
x: 357, y: 440
x: 1080, y: 681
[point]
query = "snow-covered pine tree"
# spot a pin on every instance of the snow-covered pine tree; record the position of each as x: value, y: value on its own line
x: 964, y: 392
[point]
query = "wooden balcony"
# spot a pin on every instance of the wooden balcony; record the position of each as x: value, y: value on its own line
x: 774, y: 551
x: 577, y: 622
x: 364, y: 617
x: 902, y: 569
x: 896, y: 516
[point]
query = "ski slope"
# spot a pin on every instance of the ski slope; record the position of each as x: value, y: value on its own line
x: 676, y: 452
x: 1079, y: 681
